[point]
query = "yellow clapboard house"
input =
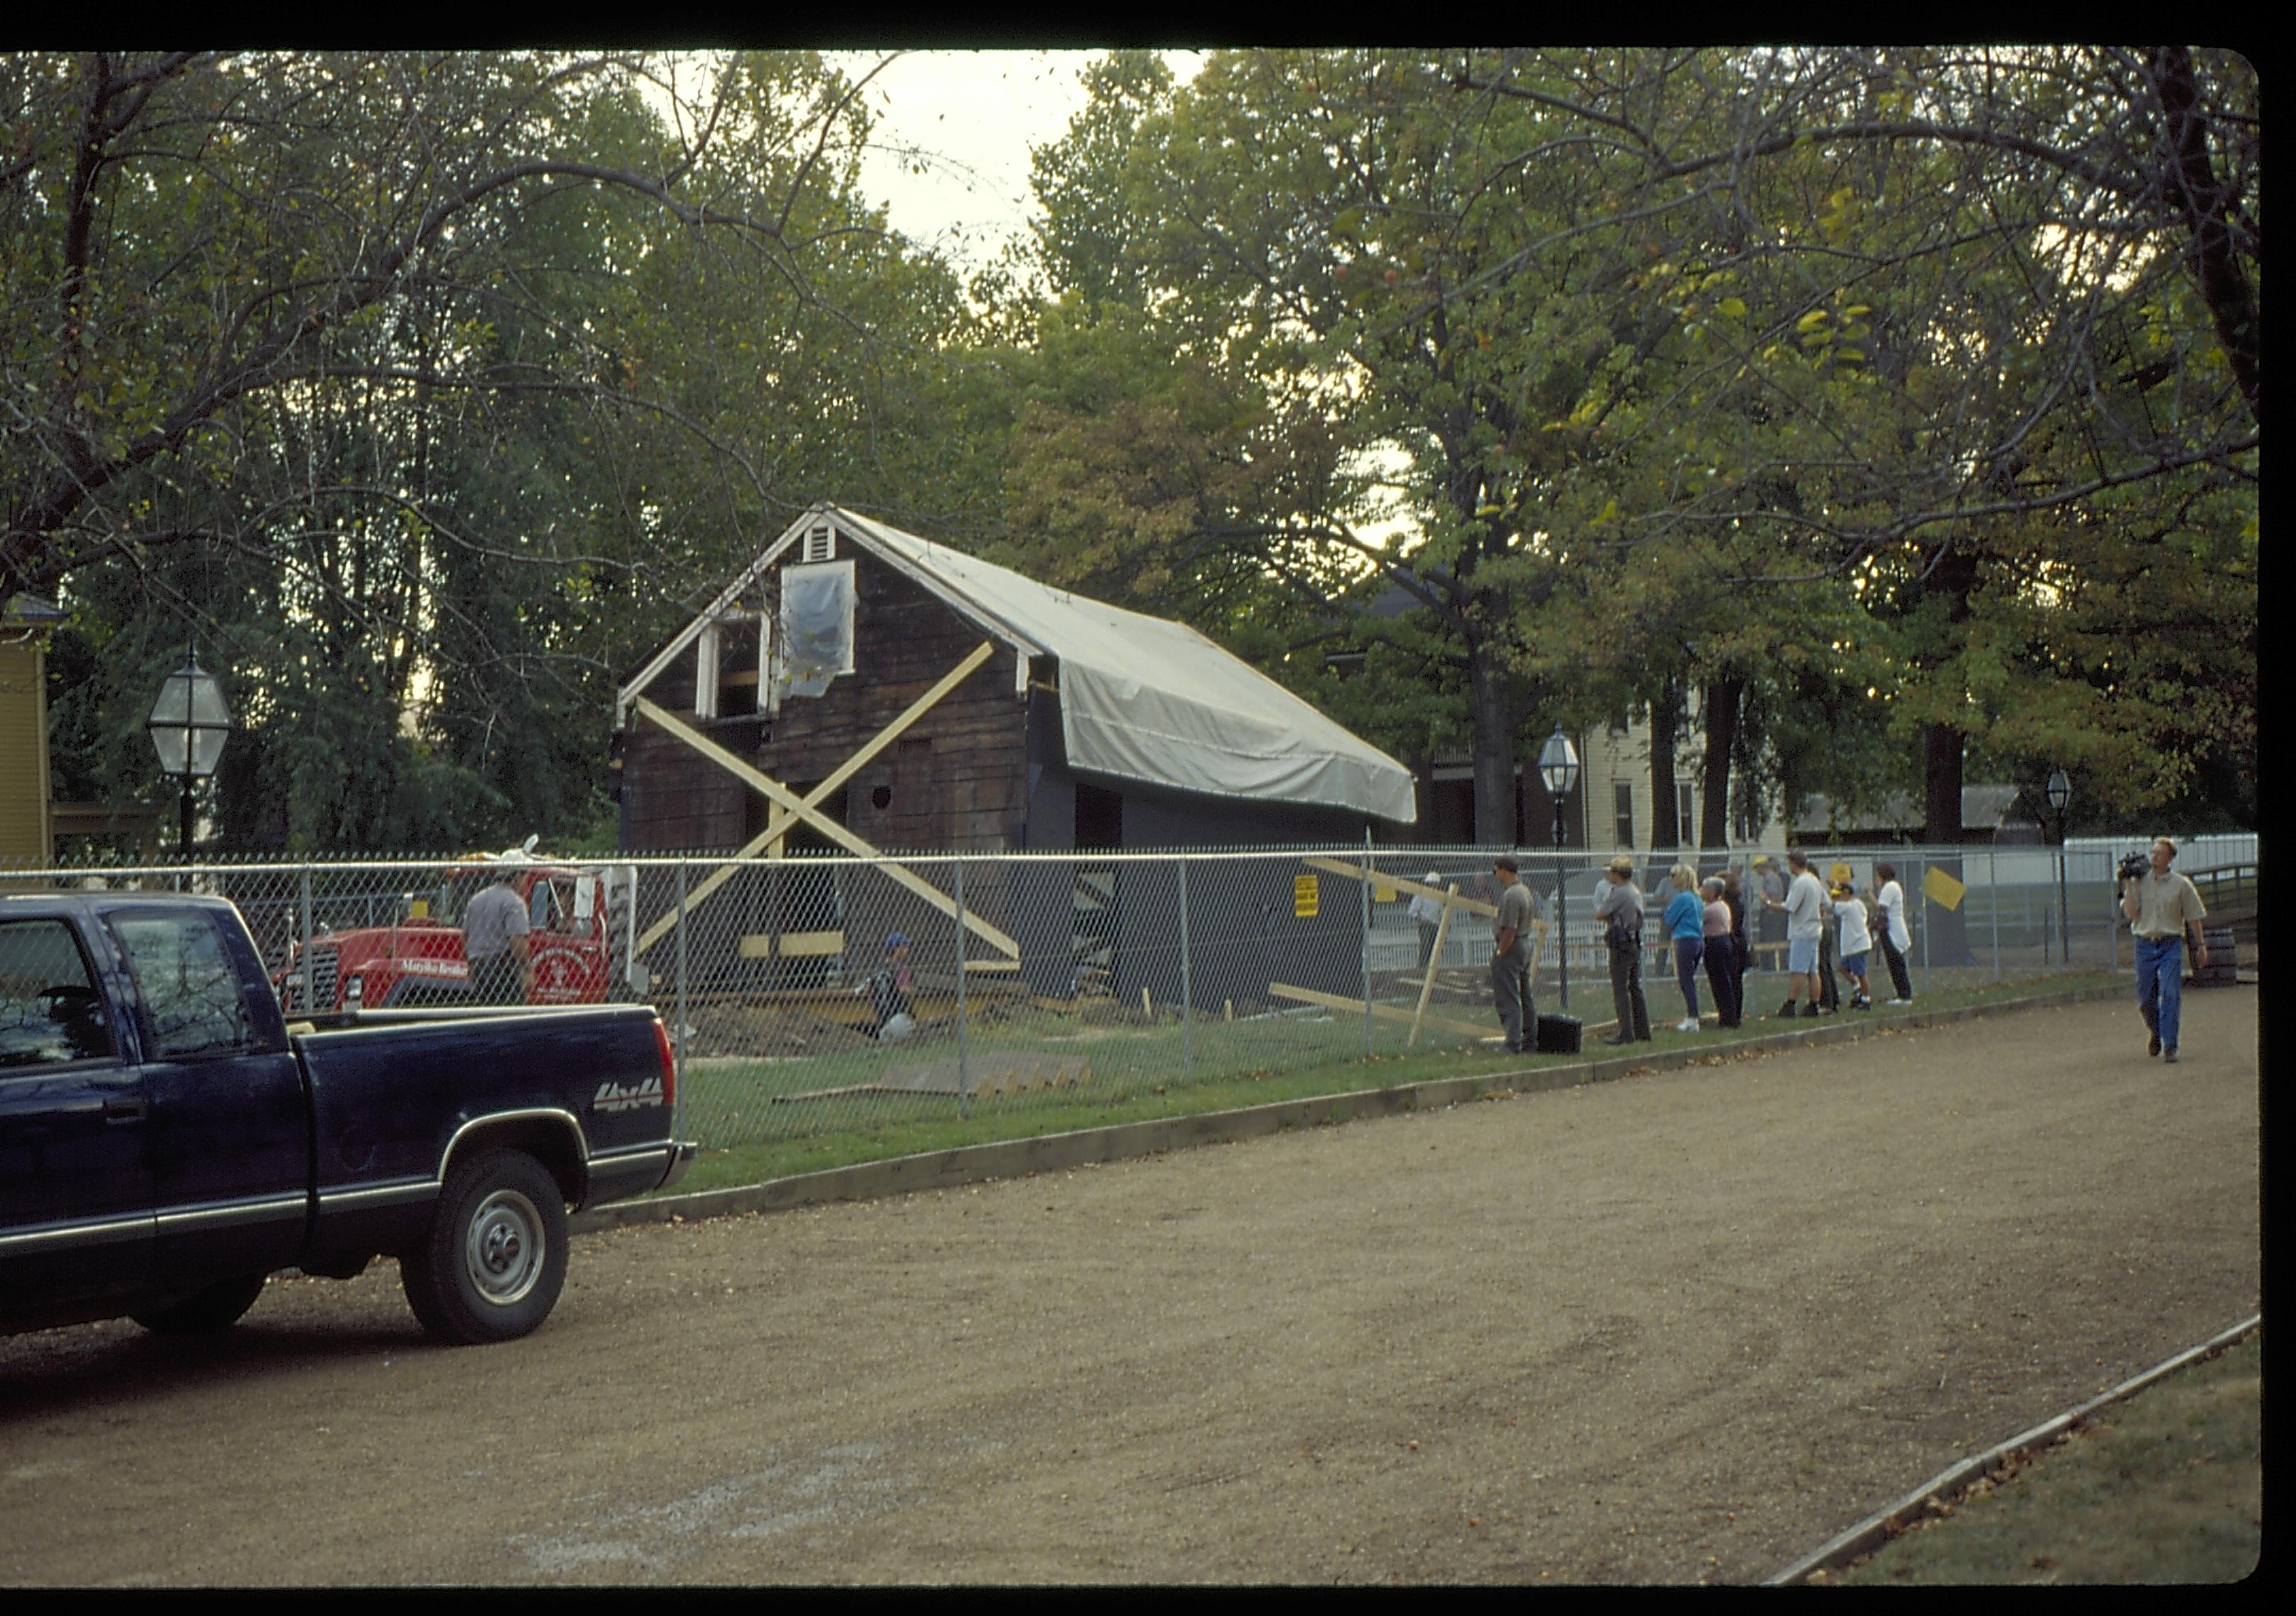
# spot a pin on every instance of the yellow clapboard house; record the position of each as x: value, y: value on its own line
x: 26, y: 834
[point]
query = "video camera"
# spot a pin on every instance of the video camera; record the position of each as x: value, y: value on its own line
x: 2133, y: 866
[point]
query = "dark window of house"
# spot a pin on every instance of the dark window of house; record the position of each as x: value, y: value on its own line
x: 1099, y: 817
x: 1622, y: 801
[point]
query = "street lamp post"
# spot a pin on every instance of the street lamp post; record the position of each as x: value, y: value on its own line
x: 1558, y: 766
x: 188, y: 724
x: 2061, y: 795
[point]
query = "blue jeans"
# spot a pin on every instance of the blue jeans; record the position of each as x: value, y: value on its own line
x: 2161, y: 985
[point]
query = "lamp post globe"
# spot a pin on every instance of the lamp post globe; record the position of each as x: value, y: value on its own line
x: 188, y: 724
x: 1558, y: 770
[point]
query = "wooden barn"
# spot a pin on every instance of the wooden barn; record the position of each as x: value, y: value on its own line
x: 856, y: 689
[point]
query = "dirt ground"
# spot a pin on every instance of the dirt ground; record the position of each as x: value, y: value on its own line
x: 1682, y: 1327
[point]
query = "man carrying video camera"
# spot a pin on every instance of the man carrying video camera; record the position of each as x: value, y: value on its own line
x: 2161, y: 906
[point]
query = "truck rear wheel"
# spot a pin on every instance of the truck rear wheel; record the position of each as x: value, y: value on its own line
x: 491, y: 1265
x: 219, y: 1307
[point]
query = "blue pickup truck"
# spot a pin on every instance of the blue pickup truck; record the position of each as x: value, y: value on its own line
x: 167, y: 1140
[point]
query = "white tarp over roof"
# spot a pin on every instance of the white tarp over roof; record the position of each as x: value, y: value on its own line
x: 1154, y: 701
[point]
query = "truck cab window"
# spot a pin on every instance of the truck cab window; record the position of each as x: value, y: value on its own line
x: 189, y: 987
x: 50, y: 1011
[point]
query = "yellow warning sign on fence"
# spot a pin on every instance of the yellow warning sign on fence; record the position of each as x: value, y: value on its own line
x: 1304, y: 897
x: 1942, y: 889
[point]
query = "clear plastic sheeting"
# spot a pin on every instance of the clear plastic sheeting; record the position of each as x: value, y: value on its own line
x: 1153, y: 701
x: 816, y: 626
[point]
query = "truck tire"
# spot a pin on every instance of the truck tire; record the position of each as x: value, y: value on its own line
x: 218, y: 1307
x: 491, y: 1265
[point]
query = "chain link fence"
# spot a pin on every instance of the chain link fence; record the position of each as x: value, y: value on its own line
x: 811, y: 995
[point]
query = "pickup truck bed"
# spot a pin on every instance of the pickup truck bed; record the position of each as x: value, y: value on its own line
x: 167, y: 1141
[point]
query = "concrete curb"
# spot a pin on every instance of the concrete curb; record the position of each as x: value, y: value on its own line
x: 1877, y: 1529
x: 1052, y: 1152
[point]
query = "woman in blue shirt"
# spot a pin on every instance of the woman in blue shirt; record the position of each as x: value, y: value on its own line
x: 1686, y: 922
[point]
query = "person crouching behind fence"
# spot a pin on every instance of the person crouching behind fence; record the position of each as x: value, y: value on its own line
x: 1850, y: 956
x: 2161, y: 906
x: 888, y: 987
x: 1685, y: 928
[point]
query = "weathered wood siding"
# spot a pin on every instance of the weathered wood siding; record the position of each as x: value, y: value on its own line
x: 954, y: 781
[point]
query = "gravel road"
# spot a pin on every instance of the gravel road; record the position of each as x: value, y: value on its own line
x: 1677, y: 1327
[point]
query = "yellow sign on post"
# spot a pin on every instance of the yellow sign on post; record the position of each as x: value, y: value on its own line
x: 1838, y: 875
x: 1942, y: 889
x: 1304, y: 895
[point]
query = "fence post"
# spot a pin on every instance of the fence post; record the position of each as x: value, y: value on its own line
x: 964, y: 1085
x: 303, y: 959
x: 1927, y: 924
x: 1365, y: 955
x: 680, y: 1045
x: 1993, y: 902
x: 1187, y: 985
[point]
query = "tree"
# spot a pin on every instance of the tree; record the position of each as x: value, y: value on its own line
x: 396, y: 379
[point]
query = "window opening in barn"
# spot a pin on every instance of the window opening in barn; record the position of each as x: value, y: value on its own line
x: 737, y: 667
x: 816, y: 626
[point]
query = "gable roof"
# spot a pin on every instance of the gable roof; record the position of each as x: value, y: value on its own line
x: 1141, y: 697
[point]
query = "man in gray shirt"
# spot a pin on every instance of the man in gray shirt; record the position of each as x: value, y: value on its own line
x: 1511, y: 958
x: 494, y: 941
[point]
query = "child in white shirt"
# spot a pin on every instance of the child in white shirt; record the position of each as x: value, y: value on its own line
x: 1856, y: 940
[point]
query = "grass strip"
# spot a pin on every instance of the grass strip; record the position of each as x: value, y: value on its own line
x: 2165, y: 1488
x: 1154, y: 1095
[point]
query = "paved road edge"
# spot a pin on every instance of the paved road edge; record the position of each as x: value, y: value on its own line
x: 1124, y: 1141
x: 1878, y: 1527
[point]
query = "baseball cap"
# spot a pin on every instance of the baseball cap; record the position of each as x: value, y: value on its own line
x: 897, y: 939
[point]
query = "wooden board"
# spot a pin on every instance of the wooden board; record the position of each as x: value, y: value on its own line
x: 794, y: 945
x: 985, y: 1076
x: 1356, y: 871
x: 1333, y: 1001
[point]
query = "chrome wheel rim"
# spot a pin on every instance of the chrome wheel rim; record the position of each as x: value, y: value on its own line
x: 504, y: 1250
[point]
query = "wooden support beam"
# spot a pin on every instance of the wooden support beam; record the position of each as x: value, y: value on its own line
x: 778, y: 827
x: 1434, y: 961
x: 1337, y: 866
x: 799, y: 808
x: 1333, y: 1001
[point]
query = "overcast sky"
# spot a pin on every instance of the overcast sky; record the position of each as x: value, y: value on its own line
x: 969, y: 118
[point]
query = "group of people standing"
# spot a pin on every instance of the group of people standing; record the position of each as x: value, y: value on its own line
x: 1705, y: 923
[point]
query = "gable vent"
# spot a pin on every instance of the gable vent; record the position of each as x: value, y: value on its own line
x: 821, y: 545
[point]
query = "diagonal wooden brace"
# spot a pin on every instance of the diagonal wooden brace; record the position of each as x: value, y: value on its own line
x: 807, y: 808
